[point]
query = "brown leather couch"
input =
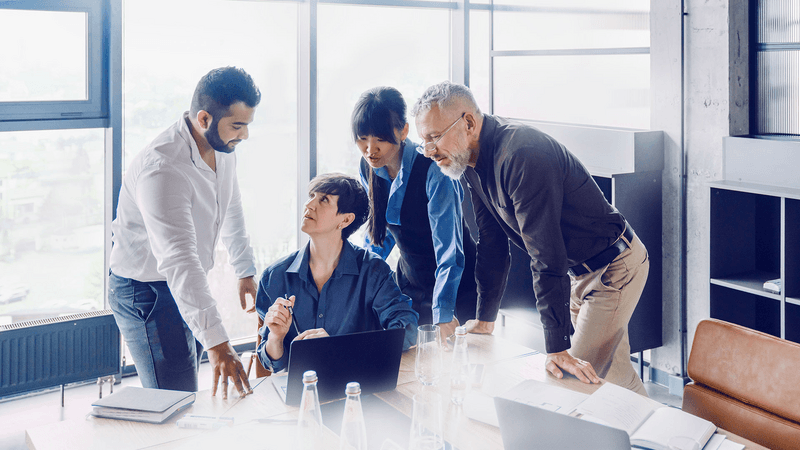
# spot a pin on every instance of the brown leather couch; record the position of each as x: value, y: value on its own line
x: 746, y: 382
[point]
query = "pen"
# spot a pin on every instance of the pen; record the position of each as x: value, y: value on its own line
x: 291, y: 312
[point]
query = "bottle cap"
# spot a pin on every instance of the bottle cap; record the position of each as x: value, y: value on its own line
x: 352, y: 388
x: 309, y: 376
x: 461, y: 331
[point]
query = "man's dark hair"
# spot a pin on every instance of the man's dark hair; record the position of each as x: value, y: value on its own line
x: 221, y: 88
x: 352, y: 197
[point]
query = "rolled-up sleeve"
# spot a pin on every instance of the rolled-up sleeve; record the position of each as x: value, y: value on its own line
x: 445, y: 217
x: 164, y: 198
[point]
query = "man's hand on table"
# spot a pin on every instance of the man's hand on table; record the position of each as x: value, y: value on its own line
x: 555, y: 362
x: 247, y: 285
x: 476, y: 326
x: 226, y: 364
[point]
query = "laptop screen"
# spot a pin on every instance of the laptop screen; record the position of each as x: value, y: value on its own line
x: 371, y: 358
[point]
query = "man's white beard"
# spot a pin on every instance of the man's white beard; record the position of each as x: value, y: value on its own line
x: 458, y: 164
x: 454, y: 170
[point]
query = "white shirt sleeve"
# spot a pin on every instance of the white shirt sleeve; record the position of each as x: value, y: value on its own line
x: 164, y: 198
x: 235, y: 237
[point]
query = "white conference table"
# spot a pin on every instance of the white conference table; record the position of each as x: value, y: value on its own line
x: 258, y: 416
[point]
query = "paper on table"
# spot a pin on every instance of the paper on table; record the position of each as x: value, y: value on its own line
x: 624, y: 412
x: 728, y: 444
x: 546, y: 396
x: 715, y: 442
x: 480, y: 407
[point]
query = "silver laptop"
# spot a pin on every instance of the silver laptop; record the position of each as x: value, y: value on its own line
x: 371, y: 358
x: 526, y: 427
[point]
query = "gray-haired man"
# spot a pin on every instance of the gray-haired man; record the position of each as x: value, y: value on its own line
x: 587, y: 263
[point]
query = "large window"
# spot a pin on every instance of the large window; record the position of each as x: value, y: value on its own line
x: 579, y: 61
x: 165, y: 55
x: 53, y: 65
x: 361, y: 47
x: 576, y: 61
x: 776, y: 111
x: 51, y: 223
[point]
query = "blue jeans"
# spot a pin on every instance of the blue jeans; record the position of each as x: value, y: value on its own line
x: 166, y: 354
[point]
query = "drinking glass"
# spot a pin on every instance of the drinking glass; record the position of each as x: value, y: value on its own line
x: 426, y: 422
x: 428, y: 367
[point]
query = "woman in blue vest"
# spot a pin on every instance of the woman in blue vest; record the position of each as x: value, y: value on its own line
x: 420, y: 207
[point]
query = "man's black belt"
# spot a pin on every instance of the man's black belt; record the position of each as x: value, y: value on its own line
x: 606, y: 256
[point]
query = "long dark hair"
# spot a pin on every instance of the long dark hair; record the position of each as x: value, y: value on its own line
x: 378, y: 112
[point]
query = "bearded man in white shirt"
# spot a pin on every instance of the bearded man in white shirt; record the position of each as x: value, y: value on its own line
x: 179, y: 196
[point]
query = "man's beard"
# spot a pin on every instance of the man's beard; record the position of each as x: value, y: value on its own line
x: 212, y: 136
x: 458, y: 164
x: 459, y: 160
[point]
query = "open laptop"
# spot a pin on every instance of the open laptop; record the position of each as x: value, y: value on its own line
x: 529, y: 427
x: 371, y: 358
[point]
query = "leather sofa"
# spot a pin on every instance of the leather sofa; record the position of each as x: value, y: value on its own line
x: 746, y: 382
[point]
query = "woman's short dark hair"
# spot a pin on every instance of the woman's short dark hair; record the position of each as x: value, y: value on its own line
x: 352, y: 197
x: 221, y: 88
x: 378, y: 112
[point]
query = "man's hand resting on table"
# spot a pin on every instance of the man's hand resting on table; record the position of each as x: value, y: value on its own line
x: 226, y: 364
x: 555, y: 362
x: 476, y: 326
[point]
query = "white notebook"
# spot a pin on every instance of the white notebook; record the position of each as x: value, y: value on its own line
x: 649, y: 424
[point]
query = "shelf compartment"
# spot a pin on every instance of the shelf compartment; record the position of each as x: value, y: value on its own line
x: 745, y: 234
x: 746, y: 309
x: 792, y: 248
x: 793, y: 322
x: 751, y: 282
x: 606, y: 186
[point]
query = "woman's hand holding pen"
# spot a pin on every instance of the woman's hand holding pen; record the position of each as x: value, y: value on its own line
x: 278, y: 319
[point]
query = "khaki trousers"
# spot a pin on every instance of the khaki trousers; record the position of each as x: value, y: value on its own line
x: 601, y: 305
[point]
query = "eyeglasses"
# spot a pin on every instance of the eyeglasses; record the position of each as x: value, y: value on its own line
x: 424, y: 148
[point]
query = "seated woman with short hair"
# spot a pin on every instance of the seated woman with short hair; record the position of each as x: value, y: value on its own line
x: 332, y: 286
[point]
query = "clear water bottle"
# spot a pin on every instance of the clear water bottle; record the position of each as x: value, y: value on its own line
x: 354, y: 431
x: 459, y: 374
x: 309, y: 419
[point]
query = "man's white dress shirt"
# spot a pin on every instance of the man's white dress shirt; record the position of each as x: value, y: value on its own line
x: 172, y: 211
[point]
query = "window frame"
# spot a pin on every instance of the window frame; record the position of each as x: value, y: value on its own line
x: 17, y: 116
